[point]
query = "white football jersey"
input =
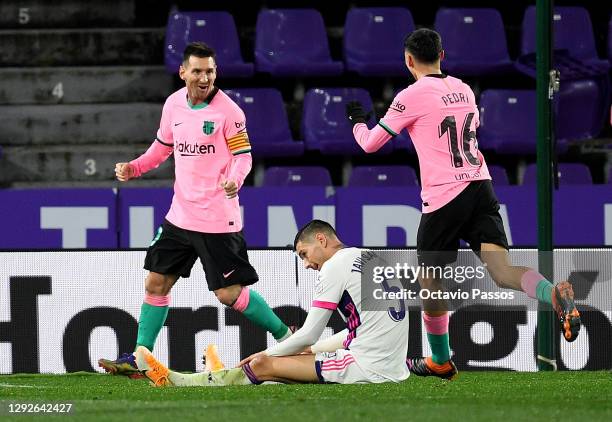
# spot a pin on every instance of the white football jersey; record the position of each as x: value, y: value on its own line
x: 378, y: 339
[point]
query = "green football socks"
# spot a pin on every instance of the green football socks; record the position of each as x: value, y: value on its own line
x: 440, y: 349
x: 544, y: 291
x: 436, y: 328
x: 255, y: 308
x: 151, y: 321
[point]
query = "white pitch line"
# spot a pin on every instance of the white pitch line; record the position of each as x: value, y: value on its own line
x: 23, y: 386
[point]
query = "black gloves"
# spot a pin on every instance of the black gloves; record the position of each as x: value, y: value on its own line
x: 356, y: 113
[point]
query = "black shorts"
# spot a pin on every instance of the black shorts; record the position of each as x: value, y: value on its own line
x: 472, y: 216
x: 223, y: 256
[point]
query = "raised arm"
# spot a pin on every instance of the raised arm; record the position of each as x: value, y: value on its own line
x: 398, y: 117
x: 368, y: 140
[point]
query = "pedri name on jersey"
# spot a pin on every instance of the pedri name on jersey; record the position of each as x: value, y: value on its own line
x: 191, y: 149
x: 455, y: 97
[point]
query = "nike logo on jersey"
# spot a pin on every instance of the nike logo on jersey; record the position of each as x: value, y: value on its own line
x: 397, y: 106
x: 177, y: 124
x: 226, y: 275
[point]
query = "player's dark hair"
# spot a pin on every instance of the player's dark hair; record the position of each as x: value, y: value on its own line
x: 315, y: 226
x: 424, y: 44
x: 197, y: 49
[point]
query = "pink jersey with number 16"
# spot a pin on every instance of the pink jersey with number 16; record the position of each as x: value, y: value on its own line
x: 441, y: 116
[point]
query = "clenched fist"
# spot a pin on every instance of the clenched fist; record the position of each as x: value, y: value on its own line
x: 230, y: 188
x: 124, y: 171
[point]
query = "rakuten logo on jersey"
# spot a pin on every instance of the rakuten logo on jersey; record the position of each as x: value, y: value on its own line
x: 189, y: 149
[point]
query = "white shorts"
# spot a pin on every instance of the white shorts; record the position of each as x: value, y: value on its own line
x: 339, y: 367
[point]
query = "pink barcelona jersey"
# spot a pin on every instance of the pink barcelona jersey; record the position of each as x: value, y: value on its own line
x: 207, y: 140
x: 441, y: 116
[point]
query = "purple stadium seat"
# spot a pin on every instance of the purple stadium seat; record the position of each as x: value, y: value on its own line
x: 216, y: 29
x: 508, y: 117
x: 267, y: 123
x: 374, y: 40
x: 507, y: 121
x: 324, y: 123
x: 499, y: 175
x: 474, y: 41
x: 581, y: 110
x: 582, y: 73
x: 573, y: 31
x: 569, y: 174
x: 383, y: 176
x: 293, y: 42
x: 297, y: 176
x: 574, y: 55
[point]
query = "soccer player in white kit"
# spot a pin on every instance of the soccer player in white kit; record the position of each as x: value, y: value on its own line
x: 372, y: 348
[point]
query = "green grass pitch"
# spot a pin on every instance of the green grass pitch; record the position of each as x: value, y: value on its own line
x: 478, y: 396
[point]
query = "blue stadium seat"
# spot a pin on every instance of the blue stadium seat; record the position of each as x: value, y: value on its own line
x: 499, y: 175
x: 217, y: 29
x: 267, y: 123
x: 383, y: 176
x: 374, y: 39
x: 569, y: 174
x: 293, y: 42
x: 324, y: 123
x: 297, y: 176
x: 474, y: 41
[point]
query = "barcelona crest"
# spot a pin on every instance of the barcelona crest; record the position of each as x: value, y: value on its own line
x: 208, y: 127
